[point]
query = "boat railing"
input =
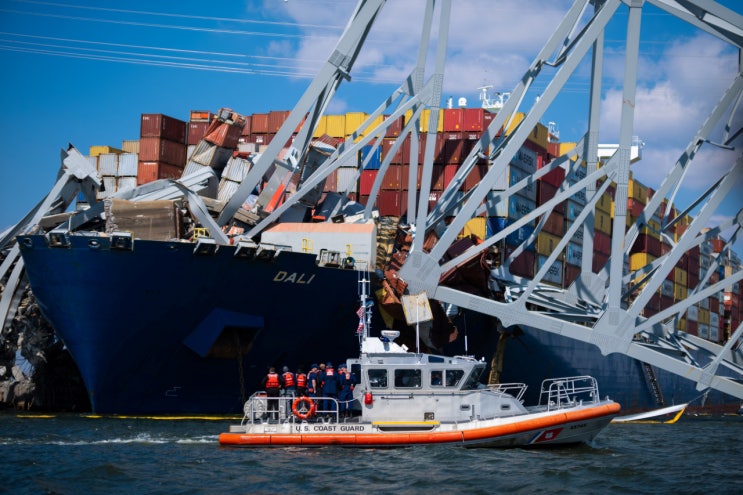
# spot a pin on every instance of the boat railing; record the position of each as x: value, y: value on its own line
x: 290, y: 409
x: 558, y: 393
x: 517, y: 390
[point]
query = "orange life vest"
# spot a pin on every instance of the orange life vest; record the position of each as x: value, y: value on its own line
x: 301, y: 380
x: 288, y: 379
x: 273, y: 381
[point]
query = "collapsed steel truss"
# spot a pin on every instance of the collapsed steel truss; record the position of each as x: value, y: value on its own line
x: 595, y: 308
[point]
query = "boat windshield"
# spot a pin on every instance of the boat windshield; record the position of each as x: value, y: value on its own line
x: 407, y: 378
x: 473, y: 380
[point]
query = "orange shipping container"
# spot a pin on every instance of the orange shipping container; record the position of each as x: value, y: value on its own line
x: 163, y: 126
x: 162, y: 150
x: 149, y: 171
x: 259, y: 123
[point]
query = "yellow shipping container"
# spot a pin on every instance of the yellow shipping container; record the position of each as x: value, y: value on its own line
x: 354, y: 121
x: 546, y: 244
x: 681, y: 325
x: 637, y: 191
x: 516, y: 120
x: 130, y: 145
x: 539, y: 135
x: 680, y: 276
x: 426, y: 117
x: 638, y: 260
x: 605, y: 204
x: 476, y: 226
x: 602, y: 221
x: 565, y: 147
x: 322, y: 127
x: 102, y: 150
x: 374, y: 124
x: 680, y: 292
x: 703, y: 316
x: 336, y: 126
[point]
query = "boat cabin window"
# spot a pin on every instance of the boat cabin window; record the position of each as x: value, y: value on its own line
x: 436, y: 380
x: 378, y: 378
x: 453, y: 377
x: 407, y: 378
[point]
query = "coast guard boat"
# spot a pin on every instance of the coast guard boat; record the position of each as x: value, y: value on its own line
x: 406, y: 398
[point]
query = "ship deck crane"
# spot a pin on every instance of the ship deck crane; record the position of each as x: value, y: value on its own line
x: 596, y: 307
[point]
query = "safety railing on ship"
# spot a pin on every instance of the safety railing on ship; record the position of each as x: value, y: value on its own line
x: 291, y: 409
x: 558, y: 393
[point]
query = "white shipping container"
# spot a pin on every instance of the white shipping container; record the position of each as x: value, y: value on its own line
x: 666, y: 288
x: 578, y: 237
x: 124, y: 183
x: 346, y: 179
x: 108, y: 164
x: 703, y: 330
x: 554, y: 274
x: 517, y: 175
x: 109, y: 187
x: 236, y: 169
x: 128, y: 165
x: 572, y: 209
x: 525, y: 159
x: 714, y: 334
x: 714, y: 320
x: 574, y: 254
x: 227, y: 188
x: 693, y: 313
x: 579, y: 197
x: 192, y: 167
x: 519, y: 206
x: 704, y: 303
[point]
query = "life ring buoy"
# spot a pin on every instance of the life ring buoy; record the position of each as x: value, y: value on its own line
x: 308, y: 412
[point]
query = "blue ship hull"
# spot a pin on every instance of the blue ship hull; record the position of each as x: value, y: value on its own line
x: 159, y: 329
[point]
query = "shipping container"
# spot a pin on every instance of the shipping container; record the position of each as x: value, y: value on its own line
x: 371, y: 157
x: 547, y: 243
x: 579, y: 233
x: 571, y: 273
x: 124, y: 183
x: 476, y: 226
x: 601, y: 242
x: 637, y: 191
x: 276, y: 119
x: 395, y: 128
x: 259, y: 123
x: 130, y: 145
x: 572, y: 209
x: 100, y: 150
x: 547, y: 191
x: 474, y: 177
x: 639, y: 260
x: 426, y: 117
x: 680, y: 292
x: 128, y: 164
x: 516, y: 175
x: 149, y: 171
x: 163, y: 126
x: 197, y: 131
x: 517, y: 237
x: 692, y: 327
x: 555, y: 224
x: 453, y: 120
x: 523, y: 265
x: 646, y: 244
x: 574, y: 254
x: 201, y: 116
x: 539, y: 136
x: 223, y: 134
x: 392, y: 203
x: 346, y: 180
x: 336, y: 126
x: 153, y: 149
x: 554, y: 273
x: 366, y: 181
x: 393, y: 180
x: 525, y: 159
x: 108, y: 165
x: 474, y: 119
x: 496, y: 224
x: 599, y: 262
x: 602, y: 222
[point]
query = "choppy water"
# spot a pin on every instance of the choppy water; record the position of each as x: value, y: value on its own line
x: 71, y: 454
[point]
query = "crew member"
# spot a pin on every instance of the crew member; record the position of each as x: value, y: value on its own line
x: 312, y: 383
x: 290, y: 387
x: 301, y: 382
x: 329, y: 387
x: 346, y: 381
x: 272, y: 384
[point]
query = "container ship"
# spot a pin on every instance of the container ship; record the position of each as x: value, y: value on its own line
x: 161, y: 319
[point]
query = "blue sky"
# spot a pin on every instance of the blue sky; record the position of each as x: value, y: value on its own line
x: 83, y: 72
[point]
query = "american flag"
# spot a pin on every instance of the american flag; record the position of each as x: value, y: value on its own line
x: 360, y: 329
x: 360, y: 312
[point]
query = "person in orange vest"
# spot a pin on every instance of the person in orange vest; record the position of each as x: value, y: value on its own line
x: 301, y: 383
x: 272, y: 384
x: 290, y: 387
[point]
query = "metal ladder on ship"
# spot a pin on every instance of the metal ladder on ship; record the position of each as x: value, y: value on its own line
x: 652, y: 382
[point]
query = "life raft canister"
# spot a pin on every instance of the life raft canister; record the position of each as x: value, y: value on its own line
x: 306, y: 411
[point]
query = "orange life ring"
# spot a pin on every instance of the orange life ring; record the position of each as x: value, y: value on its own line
x: 303, y: 415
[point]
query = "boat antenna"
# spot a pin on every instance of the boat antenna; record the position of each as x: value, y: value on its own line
x: 466, y: 347
x: 364, y: 311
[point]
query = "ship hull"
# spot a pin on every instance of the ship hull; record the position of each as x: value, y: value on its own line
x: 159, y: 329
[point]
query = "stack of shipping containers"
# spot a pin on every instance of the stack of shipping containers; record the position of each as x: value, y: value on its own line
x: 162, y: 148
x: 166, y: 144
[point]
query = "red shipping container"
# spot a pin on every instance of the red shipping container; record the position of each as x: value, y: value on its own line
x: 694, y: 253
x: 153, y: 149
x: 453, y: 119
x: 402, y: 155
x: 523, y: 265
x: 393, y: 179
x: 692, y: 279
x: 634, y: 207
x: 276, y: 119
x: 395, y: 128
x: 714, y: 305
x: 223, y: 134
x: 450, y: 170
x: 474, y: 119
x: 331, y: 182
x: 717, y: 245
x: 392, y: 203
x: 366, y: 181
x: 547, y: 191
x: 453, y: 151
x: 666, y: 302
x: 162, y: 126
x: 554, y: 177
x: 601, y: 242
x: 263, y: 139
x: 196, y: 131
x: 259, y: 123
x: 555, y: 224
x: 646, y: 244
x: 149, y: 171
x: 248, y: 125
x: 653, y: 304
x: 599, y: 260
x: 437, y: 177
x: 692, y: 327
x: 474, y: 177
x: 571, y: 273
